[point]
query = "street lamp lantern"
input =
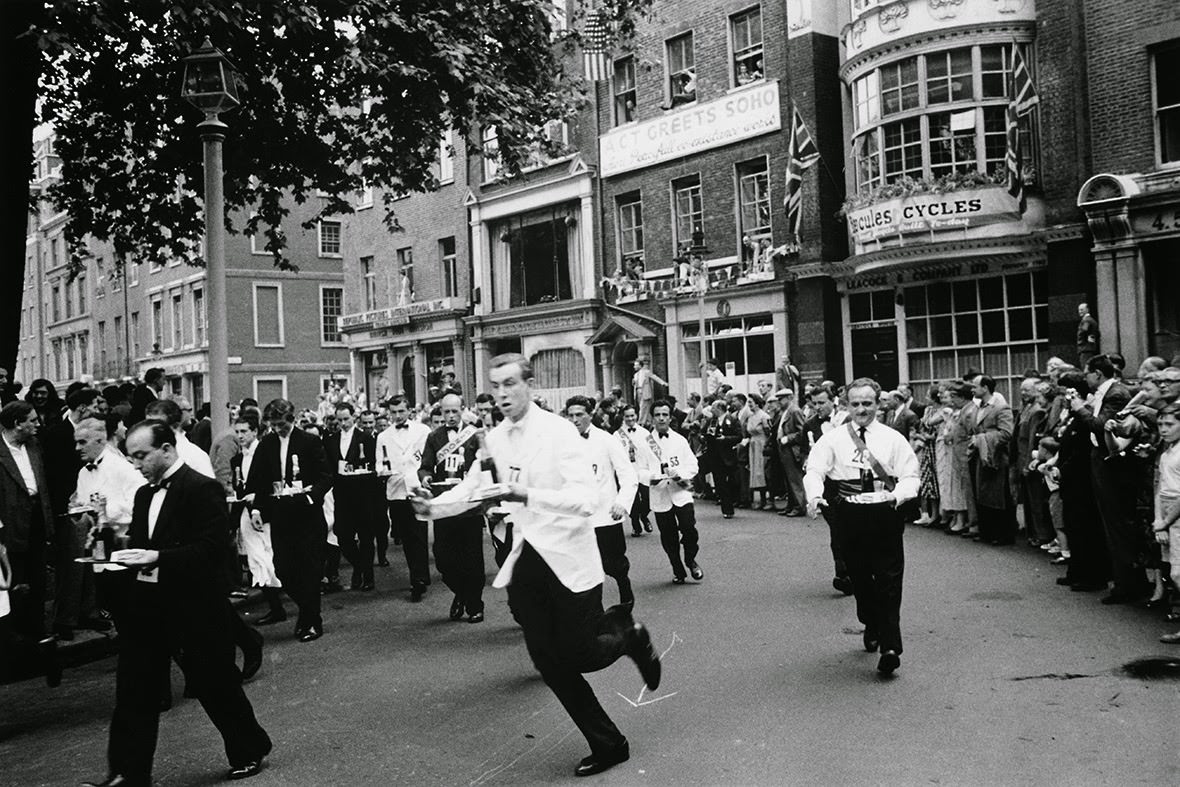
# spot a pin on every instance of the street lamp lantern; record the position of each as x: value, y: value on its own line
x: 210, y: 80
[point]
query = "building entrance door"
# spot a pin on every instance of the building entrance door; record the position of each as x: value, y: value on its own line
x: 625, y: 353
x: 874, y: 354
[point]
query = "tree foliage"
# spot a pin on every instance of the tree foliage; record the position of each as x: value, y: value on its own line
x: 339, y: 95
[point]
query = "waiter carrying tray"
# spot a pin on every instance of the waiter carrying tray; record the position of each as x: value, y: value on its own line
x: 863, y: 474
x: 553, y: 573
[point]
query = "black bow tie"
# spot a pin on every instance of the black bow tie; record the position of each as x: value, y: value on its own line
x: 585, y: 435
x: 401, y: 426
x: 92, y: 466
x: 164, y: 483
x: 630, y: 428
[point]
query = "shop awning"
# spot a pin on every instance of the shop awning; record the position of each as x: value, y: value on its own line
x: 621, y: 327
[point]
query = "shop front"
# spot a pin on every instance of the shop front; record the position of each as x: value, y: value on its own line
x: 406, y: 350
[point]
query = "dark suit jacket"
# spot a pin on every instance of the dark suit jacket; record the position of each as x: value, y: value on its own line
x: 61, y: 463
x: 359, y: 440
x: 432, y: 469
x: 728, y: 435
x: 191, y: 537
x: 16, y: 507
x: 904, y: 423
x: 313, y: 472
x: 141, y: 397
x: 1116, y: 399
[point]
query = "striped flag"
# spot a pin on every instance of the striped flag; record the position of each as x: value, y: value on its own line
x: 595, y: 37
x: 1022, y: 96
x: 803, y: 153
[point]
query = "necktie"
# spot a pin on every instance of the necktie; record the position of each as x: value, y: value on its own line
x: 861, y: 429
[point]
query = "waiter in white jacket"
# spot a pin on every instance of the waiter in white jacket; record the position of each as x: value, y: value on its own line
x: 616, y: 481
x: 553, y: 573
x: 863, y: 471
x: 399, y: 455
x: 671, y: 499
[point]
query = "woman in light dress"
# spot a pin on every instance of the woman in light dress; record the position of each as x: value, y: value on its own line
x: 951, y: 468
x: 757, y: 426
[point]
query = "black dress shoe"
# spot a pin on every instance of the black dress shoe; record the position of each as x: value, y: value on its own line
x: 1064, y: 581
x: 843, y: 584
x: 368, y: 585
x: 646, y: 526
x: 456, y: 608
x: 245, y: 771
x: 696, y: 572
x: 417, y: 592
x: 252, y: 656
x: 357, y: 580
x: 274, y: 616
x: 475, y: 617
x: 872, y: 644
x: 677, y: 580
x: 785, y: 512
x: 635, y: 533
x: 385, y: 563
x: 238, y: 593
x: 727, y: 516
x: 116, y: 780
x: 329, y: 587
x: 309, y: 634
x: 47, y: 649
x: 640, y: 649
x: 889, y: 662
x: 597, y: 763
x: 63, y: 633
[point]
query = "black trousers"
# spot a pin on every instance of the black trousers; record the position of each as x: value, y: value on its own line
x: 1089, y: 562
x: 354, y: 527
x: 146, y: 648
x: 678, y: 528
x: 1114, y: 485
x: 832, y: 517
x: 458, y: 555
x: 725, y: 484
x: 414, y: 540
x: 872, y: 548
x: 612, y: 547
x: 567, y: 634
x: 640, y: 508
x: 996, y: 524
x: 28, y: 570
x: 298, y: 540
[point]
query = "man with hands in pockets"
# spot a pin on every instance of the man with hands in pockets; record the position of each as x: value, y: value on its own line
x: 861, y: 473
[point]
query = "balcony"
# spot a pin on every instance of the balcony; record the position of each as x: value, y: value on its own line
x: 691, y: 274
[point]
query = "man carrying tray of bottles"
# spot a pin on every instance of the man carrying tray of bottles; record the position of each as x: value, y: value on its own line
x: 862, y: 473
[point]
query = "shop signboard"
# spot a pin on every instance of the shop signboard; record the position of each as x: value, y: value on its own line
x: 956, y: 210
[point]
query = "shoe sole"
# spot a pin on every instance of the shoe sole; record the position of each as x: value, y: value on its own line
x: 888, y: 664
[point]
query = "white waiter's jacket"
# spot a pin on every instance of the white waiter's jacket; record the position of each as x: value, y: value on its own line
x: 614, y: 474
x: 835, y: 456
x: 645, y: 464
x: 544, y: 453
x: 682, y: 463
x: 403, y: 446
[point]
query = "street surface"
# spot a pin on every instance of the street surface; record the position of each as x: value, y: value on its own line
x: 1006, y: 679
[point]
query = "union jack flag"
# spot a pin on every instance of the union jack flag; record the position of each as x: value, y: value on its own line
x: 1022, y: 97
x: 595, y: 37
x: 803, y: 154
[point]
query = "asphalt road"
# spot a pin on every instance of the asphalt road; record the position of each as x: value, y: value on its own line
x: 1006, y: 679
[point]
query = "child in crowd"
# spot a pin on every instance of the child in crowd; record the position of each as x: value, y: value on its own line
x: 1167, y: 497
x: 1045, y: 463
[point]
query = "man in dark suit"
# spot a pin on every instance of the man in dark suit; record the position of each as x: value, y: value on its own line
x: 294, y: 460
x: 786, y: 445
x: 145, y: 393
x: 458, y: 541
x: 900, y: 417
x: 815, y: 427
x: 727, y: 433
x: 354, y: 448
x: 172, y: 602
x: 1112, y: 478
x: 28, y: 521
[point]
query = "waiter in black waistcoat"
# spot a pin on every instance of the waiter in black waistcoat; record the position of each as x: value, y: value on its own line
x: 353, y: 449
x: 293, y: 461
x: 173, y: 602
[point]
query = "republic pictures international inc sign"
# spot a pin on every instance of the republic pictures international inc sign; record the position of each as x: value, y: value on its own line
x: 397, y: 315
x: 746, y: 112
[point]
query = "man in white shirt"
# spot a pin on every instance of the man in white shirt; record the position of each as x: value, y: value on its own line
x: 634, y: 439
x: 616, y: 481
x: 553, y: 572
x: 671, y: 499
x: 862, y: 472
x: 399, y: 455
x: 643, y: 386
x: 169, y: 412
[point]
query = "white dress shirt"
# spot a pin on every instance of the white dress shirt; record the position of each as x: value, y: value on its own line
x: 676, y: 453
x: 114, y: 478
x: 158, y: 498
x: 544, y: 453
x: 193, y: 456
x: 614, y: 475
x: 403, y: 447
x: 20, y: 455
x: 345, y: 443
x: 835, y: 456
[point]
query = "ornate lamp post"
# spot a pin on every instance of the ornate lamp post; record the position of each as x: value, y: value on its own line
x: 210, y: 85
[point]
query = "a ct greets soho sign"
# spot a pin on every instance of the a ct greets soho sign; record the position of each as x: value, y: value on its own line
x: 932, y: 212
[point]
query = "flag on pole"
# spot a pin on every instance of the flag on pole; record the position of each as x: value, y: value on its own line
x: 803, y: 153
x: 1022, y: 96
x: 595, y: 37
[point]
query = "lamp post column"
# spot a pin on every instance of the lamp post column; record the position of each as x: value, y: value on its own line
x: 212, y: 135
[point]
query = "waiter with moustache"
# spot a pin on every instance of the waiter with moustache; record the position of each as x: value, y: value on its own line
x: 863, y: 472
x: 175, y: 604
x: 554, y: 572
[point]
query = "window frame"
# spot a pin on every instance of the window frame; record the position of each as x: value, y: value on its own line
x: 618, y: 95
x: 449, y: 264
x: 269, y: 378
x: 256, y: 286
x: 1157, y: 111
x: 368, y: 272
x: 200, y: 324
x: 319, y: 231
x: 324, y: 341
x: 445, y: 165
x: 679, y: 186
x: 742, y: 171
x: 489, y: 141
x: 674, y: 97
x: 176, y: 314
x: 630, y: 205
x: 401, y: 255
x: 738, y: 58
